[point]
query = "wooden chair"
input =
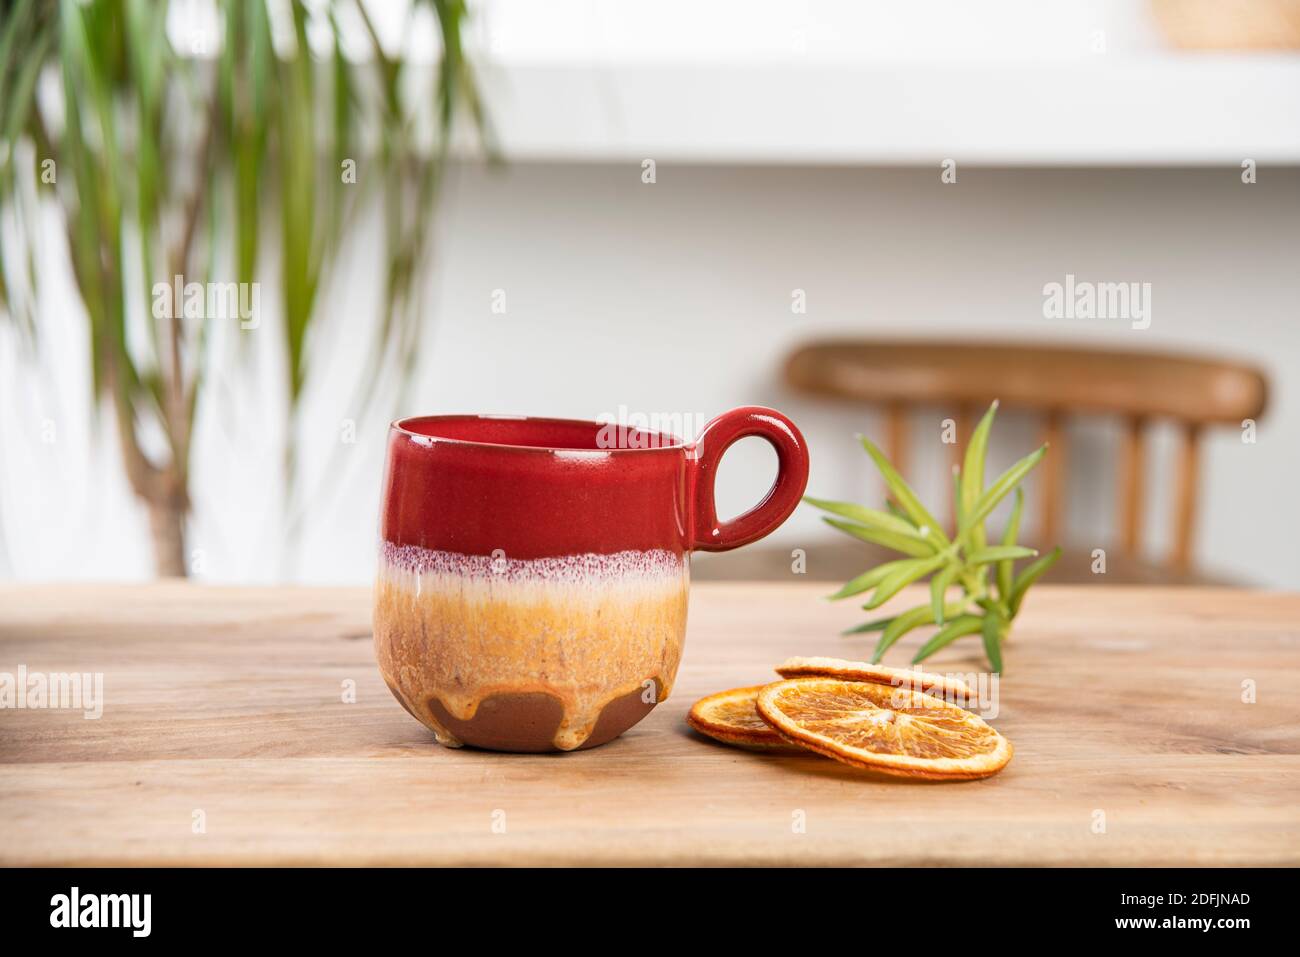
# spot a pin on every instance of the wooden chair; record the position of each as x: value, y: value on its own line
x: 1056, y: 382
x: 960, y: 379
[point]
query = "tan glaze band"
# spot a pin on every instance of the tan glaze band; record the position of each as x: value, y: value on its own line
x: 547, y: 654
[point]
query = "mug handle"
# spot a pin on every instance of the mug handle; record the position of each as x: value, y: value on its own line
x: 706, y: 452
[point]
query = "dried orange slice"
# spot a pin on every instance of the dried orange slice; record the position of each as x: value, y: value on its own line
x: 729, y: 716
x: 893, y: 730
x: 941, y: 686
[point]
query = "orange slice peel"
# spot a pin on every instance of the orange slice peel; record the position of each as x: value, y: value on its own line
x: 730, y: 717
x: 941, y: 686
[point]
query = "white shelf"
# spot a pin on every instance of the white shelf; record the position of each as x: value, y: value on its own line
x: 1156, y: 110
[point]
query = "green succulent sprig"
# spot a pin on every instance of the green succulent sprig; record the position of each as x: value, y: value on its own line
x: 991, y: 592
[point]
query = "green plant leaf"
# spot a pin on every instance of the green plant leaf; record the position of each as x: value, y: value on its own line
x: 903, y: 494
x: 899, y: 626
x: 298, y: 200
x: 903, y: 623
x: 907, y: 544
x: 1006, y: 568
x: 903, y: 576
x: 251, y: 57
x: 1027, y: 577
x: 868, y: 626
x: 958, y: 627
x: 957, y: 510
x: 21, y: 98
x: 999, y: 553
x: 972, y: 470
x: 996, y: 492
x: 991, y: 628
x: 17, y: 23
x: 939, y: 585
x: 868, y: 579
x: 866, y: 516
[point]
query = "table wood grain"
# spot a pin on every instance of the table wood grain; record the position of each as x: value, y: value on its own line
x: 227, y: 706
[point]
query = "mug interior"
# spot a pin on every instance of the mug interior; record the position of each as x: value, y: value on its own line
x: 527, y: 432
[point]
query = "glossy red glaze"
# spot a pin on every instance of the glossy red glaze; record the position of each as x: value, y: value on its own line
x: 780, y: 500
x: 538, y: 488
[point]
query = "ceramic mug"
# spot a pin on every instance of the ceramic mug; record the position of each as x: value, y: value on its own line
x: 532, y: 584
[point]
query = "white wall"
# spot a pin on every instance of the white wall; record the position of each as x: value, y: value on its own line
x: 674, y: 298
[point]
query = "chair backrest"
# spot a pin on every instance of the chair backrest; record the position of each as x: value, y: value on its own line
x: 1056, y: 381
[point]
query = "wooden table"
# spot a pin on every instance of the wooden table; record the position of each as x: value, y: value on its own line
x: 226, y: 739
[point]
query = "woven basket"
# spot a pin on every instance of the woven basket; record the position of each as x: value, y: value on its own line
x: 1230, y: 24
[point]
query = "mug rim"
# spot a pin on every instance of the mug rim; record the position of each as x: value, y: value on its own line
x: 666, y: 441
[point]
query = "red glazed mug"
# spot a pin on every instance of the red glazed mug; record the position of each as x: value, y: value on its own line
x: 532, y: 583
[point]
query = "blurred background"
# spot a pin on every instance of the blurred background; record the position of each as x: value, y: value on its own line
x: 655, y: 213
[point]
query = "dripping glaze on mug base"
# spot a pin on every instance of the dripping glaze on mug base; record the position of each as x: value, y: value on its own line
x: 538, y: 654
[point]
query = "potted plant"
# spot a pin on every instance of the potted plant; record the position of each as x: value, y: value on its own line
x: 175, y: 158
